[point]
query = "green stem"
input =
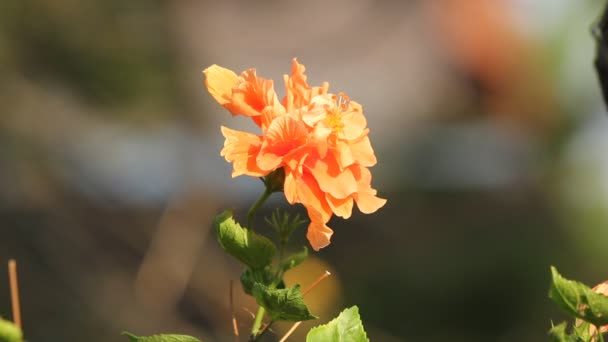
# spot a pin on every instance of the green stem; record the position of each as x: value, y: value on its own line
x: 601, y: 336
x: 265, y: 329
x: 257, y: 324
x: 279, y: 275
x: 254, y: 208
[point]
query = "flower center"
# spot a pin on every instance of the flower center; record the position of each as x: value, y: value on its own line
x: 334, y: 115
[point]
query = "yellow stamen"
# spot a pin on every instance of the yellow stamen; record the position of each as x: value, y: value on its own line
x: 334, y: 115
x: 342, y: 101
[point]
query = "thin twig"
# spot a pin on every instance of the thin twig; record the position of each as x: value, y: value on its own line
x: 315, y: 283
x: 249, y: 312
x: 290, y: 331
x: 235, y: 326
x: 12, y: 274
x: 304, y: 293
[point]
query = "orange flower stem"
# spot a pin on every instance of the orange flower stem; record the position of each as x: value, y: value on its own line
x: 254, y: 208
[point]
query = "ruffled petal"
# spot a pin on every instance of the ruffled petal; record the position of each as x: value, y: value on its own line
x: 362, y: 152
x: 317, y: 110
x: 344, y: 155
x: 341, y: 207
x: 320, y: 136
x: 366, y: 198
x: 219, y: 82
x: 331, y: 179
x: 290, y: 187
x: 253, y: 95
x: 284, y: 135
x: 241, y: 149
x: 319, y: 235
x: 354, y: 123
x: 312, y: 197
x: 298, y: 92
x: 368, y: 202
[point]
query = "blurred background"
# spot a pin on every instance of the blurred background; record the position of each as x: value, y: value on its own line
x: 485, y: 116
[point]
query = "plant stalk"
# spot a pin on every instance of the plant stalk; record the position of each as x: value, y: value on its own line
x: 254, y: 208
x: 257, y: 324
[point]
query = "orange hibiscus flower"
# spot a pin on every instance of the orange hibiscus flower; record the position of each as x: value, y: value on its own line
x: 320, y: 141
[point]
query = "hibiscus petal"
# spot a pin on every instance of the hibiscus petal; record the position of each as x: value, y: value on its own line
x: 252, y: 94
x: 317, y: 109
x: 338, y: 183
x: 302, y: 188
x: 284, y: 135
x: 341, y: 207
x: 362, y: 152
x: 312, y: 197
x: 320, y: 135
x: 354, y: 124
x: 368, y: 203
x: 362, y: 175
x: 298, y: 92
x: 219, y: 82
x: 290, y: 187
x: 318, y: 234
x: 344, y: 154
x: 242, y: 148
x: 366, y: 198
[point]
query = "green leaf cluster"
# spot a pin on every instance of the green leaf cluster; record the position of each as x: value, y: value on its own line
x: 282, y: 304
x: 580, y: 333
x: 581, y: 302
x: 347, y: 327
x: 262, y: 279
x: 578, y: 300
x: 9, y: 332
x: 161, y: 338
x: 263, y: 276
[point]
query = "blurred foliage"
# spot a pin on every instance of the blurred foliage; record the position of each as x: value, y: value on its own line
x: 459, y: 263
x: 109, y: 52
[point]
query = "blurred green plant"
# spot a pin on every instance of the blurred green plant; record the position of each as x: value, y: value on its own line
x: 589, y: 307
x: 263, y: 279
x: 9, y: 332
x: 161, y: 338
x: 347, y: 327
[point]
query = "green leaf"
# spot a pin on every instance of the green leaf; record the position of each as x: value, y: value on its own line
x: 249, y: 277
x: 282, y: 304
x: 161, y: 338
x: 9, y: 332
x: 582, y: 331
x: 347, y: 327
x: 248, y: 247
x: 578, y: 300
x: 294, y: 260
x: 558, y: 333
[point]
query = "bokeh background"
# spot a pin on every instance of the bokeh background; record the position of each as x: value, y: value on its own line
x: 485, y: 115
